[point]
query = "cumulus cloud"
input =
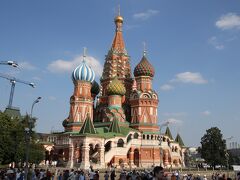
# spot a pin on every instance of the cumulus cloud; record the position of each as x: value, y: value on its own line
x: 62, y: 66
x: 228, y: 21
x: 189, y: 77
x: 26, y: 65
x: 145, y: 15
x: 172, y: 121
x: 175, y: 114
x: 206, y: 113
x: 166, y: 87
x: 215, y: 43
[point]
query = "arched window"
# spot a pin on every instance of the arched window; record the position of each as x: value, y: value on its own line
x: 120, y: 143
x: 135, y: 136
x: 129, y: 137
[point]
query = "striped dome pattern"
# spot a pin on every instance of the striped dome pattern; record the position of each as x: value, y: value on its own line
x: 84, y: 73
x: 144, y: 68
x: 116, y: 87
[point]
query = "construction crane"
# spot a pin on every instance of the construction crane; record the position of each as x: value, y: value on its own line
x: 10, y: 63
x: 13, y: 81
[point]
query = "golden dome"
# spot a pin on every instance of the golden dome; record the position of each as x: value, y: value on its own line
x: 118, y: 19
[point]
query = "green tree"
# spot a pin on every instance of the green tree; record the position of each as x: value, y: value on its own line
x: 13, y: 141
x: 213, y: 148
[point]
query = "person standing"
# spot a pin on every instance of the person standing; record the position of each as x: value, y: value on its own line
x: 106, y: 175
x: 113, y: 175
x: 158, y: 173
x: 71, y: 175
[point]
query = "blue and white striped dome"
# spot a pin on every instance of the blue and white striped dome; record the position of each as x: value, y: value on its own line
x: 83, y: 72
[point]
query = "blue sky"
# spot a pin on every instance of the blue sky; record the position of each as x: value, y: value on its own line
x: 193, y: 45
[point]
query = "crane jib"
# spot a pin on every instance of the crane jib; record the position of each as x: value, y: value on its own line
x: 13, y: 81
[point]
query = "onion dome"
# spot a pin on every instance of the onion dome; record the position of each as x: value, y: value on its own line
x: 95, y: 88
x: 116, y: 87
x: 83, y: 72
x: 144, y: 68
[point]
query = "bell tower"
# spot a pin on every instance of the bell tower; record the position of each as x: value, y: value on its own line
x: 81, y: 102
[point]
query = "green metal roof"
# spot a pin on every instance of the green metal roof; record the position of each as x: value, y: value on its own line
x: 179, y: 140
x: 168, y: 133
x: 87, y: 127
x: 114, y: 127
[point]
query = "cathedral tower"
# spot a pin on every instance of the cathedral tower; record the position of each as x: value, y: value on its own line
x: 116, y: 65
x: 81, y: 102
x: 144, y: 100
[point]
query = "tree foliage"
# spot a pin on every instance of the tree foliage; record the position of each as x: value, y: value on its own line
x: 213, y: 148
x: 13, y: 141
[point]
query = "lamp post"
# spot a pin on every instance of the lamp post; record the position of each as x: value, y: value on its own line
x: 10, y: 63
x: 28, y: 131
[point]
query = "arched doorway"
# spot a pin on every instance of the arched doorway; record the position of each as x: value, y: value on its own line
x: 136, y: 157
x: 80, y: 153
x: 94, y: 155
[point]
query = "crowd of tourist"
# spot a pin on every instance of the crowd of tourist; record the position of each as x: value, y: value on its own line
x: 157, y: 173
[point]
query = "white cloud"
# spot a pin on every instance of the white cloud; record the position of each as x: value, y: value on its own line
x: 175, y: 114
x: 167, y: 87
x: 206, y: 113
x: 215, y: 43
x: 228, y: 21
x: 189, y: 77
x: 145, y: 15
x: 26, y: 65
x: 61, y: 66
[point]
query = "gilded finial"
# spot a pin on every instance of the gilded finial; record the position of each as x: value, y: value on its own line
x: 118, y: 18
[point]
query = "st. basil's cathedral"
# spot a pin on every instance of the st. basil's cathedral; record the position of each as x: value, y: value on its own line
x: 115, y: 123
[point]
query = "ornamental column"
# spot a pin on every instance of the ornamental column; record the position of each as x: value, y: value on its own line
x: 165, y: 158
x: 102, y: 158
x: 85, y: 156
x: 71, y: 155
